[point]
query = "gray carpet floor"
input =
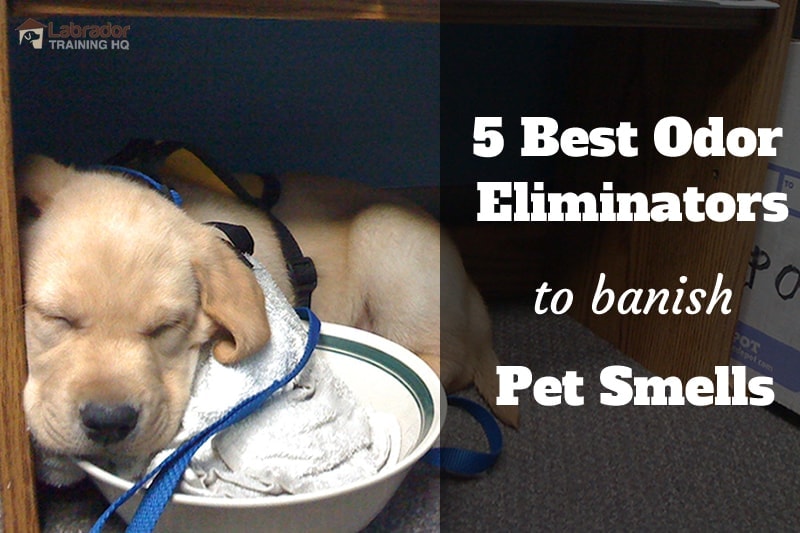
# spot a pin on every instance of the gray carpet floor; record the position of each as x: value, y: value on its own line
x: 588, y: 468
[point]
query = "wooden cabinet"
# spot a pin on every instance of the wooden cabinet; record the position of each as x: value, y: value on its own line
x: 661, y: 59
x: 655, y: 72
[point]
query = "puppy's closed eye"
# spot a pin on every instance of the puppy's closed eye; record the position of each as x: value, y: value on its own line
x: 163, y: 330
x: 62, y: 322
x: 55, y: 321
x: 45, y: 329
x: 168, y: 336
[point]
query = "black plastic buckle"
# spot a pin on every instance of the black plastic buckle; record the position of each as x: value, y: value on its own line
x: 303, y: 274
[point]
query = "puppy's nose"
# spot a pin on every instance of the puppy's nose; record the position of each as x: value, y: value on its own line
x: 107, y: 424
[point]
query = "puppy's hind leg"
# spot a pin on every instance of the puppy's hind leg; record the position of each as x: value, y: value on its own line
x: 467, y: 354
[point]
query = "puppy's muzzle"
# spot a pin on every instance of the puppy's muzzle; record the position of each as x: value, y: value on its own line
x: 108, y: 424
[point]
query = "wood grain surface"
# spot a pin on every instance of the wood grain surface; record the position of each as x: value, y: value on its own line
x: 692, y: 74
x: 639, y: 14
x: 16, y: 472
x: 408, y: 10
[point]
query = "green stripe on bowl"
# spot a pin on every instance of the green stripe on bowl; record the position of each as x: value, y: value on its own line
x: 394, y: 367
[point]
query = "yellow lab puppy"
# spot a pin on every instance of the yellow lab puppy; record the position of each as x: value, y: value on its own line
x: 122, y: 288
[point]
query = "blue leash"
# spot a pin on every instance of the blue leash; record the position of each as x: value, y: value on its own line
x: 463, y: 462
x: 169, y: 472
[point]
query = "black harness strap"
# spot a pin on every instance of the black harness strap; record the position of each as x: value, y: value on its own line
x: 301, y: 269
x: 239, y: 239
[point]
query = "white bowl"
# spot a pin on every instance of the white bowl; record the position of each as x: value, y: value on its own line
x: 383, y: 375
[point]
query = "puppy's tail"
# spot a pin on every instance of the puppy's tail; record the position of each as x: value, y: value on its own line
x: 488, y: 386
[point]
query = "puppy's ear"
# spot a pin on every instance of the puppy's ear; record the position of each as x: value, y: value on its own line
x: 232, y: 298
x: 38, y: 181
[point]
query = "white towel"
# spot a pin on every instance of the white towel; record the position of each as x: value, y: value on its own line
x: 311, y: 435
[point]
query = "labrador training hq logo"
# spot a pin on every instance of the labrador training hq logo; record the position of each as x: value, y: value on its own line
x: 31, y: 33
x: 72, y: 36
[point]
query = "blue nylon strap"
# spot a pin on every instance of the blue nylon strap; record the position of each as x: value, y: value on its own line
x: 167, y: 475
x: 463, y: 462
x: 172, y: 194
